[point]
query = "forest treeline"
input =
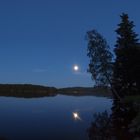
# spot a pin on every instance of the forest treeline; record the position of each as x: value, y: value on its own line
x: 29, y: 91
x: 26, y: 90
x: 84, y: 91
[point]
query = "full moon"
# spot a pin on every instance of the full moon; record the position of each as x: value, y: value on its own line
x: 76, y: 68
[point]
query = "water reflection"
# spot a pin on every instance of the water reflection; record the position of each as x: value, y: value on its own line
x: 116, y: 126
x: 100, y: 127
x: 49, y: 118
x: 76, y: 116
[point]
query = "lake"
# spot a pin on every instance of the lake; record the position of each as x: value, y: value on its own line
x: 49, y: 118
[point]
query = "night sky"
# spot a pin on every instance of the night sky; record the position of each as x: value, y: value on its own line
x: 41, y: 40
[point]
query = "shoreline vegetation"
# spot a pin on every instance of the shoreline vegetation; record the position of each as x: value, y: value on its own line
x: 32, y: 91
x: 84, y: 91
x: 26, y: 90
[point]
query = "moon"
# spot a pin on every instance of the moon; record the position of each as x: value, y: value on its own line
x: 76, y: 68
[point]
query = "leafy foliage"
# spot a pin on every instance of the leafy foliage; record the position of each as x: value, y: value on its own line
x: 100, y: 58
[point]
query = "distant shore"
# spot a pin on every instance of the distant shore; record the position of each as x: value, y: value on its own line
x: 26, y: 90
x: 84, y: 91
x: 30, y: 91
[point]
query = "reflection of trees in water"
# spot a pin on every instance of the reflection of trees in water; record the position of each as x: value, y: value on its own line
x: 122, y: 116
x: 115, y: 126
x: 100, y: 128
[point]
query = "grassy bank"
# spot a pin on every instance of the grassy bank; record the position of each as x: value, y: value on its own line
x: 135, y: 101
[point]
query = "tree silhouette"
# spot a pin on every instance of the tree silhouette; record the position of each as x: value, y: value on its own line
x: 100, y: 58
x: 126, y: 77
x: 100, y: 66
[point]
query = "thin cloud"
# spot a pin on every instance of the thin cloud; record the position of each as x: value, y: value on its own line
x: 39, y: 70
x: 82, y: 73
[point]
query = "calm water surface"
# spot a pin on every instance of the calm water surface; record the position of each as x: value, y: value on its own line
x: 49, y: 118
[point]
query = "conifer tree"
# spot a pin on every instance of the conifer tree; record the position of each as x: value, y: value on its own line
x: 126, y: 78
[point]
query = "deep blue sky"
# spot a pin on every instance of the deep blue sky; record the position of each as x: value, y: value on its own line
x: 41, y: 40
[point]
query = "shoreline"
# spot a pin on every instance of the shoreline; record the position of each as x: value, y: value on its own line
x: 30, y: 91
